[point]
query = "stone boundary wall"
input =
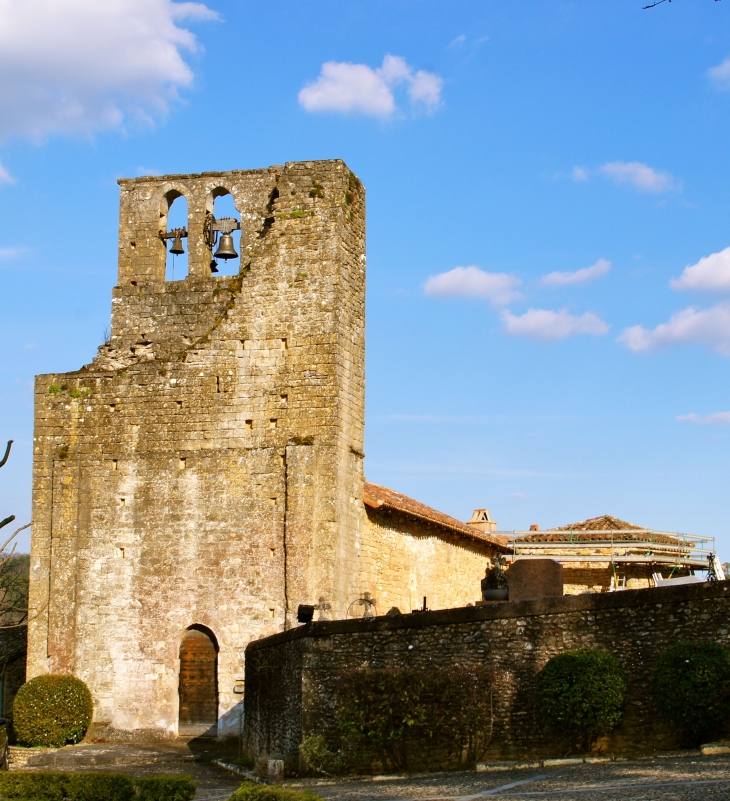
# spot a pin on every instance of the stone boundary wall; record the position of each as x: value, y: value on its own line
x: 291, y: 677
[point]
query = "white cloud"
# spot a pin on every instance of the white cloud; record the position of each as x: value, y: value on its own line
x: 548, y: 326
x: 579, y: 174
x: 5, y: 176
x: 471, y: 282
x: 716, y: 419
x: 75, y: 66
x: 357, y: 88
x: 710, y: 274
x: 709, y: 327
x: 601, y: 267
x: 638, y: 175
x: 7, y: 254
x: 720, y: 75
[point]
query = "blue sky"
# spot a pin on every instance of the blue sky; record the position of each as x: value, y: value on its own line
x: 548, y: 326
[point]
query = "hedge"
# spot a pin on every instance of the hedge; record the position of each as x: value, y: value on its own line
x: 52, y: 711
x: 249, y: 791
x: 53, y: 786
x: 581, y: 695
x: 691, y: 686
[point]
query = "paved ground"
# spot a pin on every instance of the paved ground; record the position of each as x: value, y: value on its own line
x: 706, y: 778
x: 675, y: 779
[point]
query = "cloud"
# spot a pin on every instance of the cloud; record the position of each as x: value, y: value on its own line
x: 716, y: 419
x: 5, y: 176
x: 710, y: 274
x: 638, y: 175
x: 457, y: 42
x: 547, y: 326
x: 720, y: 75
x: 517, y: 495
x: 601, y: 267
x: 471, y: 282
x: 7, y: 254
x: 76, y: 66
x: 709, y: 327
x: 579, y: 174
x: 357, y: 88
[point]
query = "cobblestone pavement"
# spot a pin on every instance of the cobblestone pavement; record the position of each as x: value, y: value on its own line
x: 660, y: 779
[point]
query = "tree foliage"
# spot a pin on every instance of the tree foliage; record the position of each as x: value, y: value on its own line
x: 581, y: 695
x: 691, y: 686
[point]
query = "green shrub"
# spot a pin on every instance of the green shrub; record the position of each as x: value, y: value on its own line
x: 249, y: 791
x: 317, y: 757
x: 52, y: 711
x: 98, y: 787
x: 53, y: 786
x: 581, y: 695
x: 691, y: 686
x: 164, y: 788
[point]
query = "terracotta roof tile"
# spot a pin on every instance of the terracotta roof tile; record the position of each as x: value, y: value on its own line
x: 377, y: 497
x: 599, y: 529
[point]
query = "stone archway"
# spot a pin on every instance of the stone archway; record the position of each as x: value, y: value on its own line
x: 198, y: 684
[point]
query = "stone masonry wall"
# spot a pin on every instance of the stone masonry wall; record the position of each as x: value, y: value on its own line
x: 514, y: 640
x: 206, y: 468
x: 402, y: 560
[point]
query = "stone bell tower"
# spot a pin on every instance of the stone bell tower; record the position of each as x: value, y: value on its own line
x: 203, y: 475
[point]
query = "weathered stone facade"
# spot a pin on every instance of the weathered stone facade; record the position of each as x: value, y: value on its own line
x: 205, y: 470
x: 292, y: 677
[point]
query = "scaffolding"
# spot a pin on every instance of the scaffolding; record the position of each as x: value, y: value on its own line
x: 615, y: 546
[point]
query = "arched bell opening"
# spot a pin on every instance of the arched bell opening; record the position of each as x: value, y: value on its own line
x: 224, y: 233
x: 198, y: 683
x: 173, y: 232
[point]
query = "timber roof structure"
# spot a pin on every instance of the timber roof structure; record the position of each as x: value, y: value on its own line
x: 601, y: 529
x: 382, y: 498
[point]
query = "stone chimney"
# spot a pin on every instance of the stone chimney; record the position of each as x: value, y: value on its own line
x: 482, y: 521
x: 534, y: 527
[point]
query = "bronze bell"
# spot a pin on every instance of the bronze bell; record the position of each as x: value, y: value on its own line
x: 177, y: 246
x: 226, y: 249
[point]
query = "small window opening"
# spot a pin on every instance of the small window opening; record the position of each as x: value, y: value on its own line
x: 182, y: 464
x: 272, y: 612
x: 217, y: 384
x: 284, y: 343
x: 273, y: 422
x: 272, y: 501
x: 115, y: 464
x: 179, y: 404
x: 272, y: 553
x: 249, y: 423
x: 225, y: 208
x: 133, y: 283
x: 112, y: 407
x: 122, y: 501
x: 176, y: 265
x: 120, y: 553
x: 284, y: 399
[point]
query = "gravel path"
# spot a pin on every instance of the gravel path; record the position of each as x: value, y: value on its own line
x: 677, y: 778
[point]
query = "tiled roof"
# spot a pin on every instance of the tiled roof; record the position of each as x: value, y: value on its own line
x: 602, y: 523
x: 598, y: 529
x: 377, y: 497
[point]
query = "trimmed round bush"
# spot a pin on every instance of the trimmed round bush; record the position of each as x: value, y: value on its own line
x: 581, y: 695
x: 691, y: 687
x: 52, y: 711
x: 249, y: 791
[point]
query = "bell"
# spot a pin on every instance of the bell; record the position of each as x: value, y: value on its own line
x: 226, y: 249
x: 177, y: 247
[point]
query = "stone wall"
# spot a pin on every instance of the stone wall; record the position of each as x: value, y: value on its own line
x: 403, y: 560
x: 514, y: 640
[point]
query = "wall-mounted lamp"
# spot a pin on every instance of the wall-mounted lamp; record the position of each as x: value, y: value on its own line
x: 176, y: 235
x: 220, y: 231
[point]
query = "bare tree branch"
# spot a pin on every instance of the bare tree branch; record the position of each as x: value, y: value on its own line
x: 7, y: 452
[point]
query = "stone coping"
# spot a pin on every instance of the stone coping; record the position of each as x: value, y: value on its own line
x: 499, y: 610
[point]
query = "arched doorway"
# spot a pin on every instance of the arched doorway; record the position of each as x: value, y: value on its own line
x: 198, y: 685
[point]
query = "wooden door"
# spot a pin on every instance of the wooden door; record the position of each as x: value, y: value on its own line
x: 198, y: 685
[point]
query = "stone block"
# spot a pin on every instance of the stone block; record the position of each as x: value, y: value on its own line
x: 530, y: 579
